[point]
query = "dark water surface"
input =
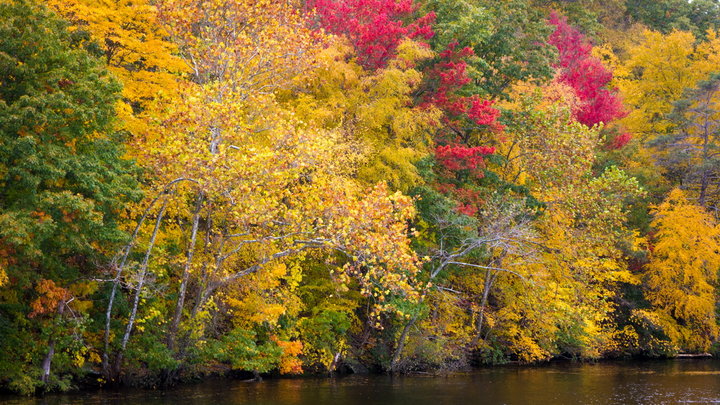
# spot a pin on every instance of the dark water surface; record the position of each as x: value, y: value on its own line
x: 648, y: 382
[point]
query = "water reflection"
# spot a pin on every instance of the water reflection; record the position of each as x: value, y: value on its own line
x: 656, y: 382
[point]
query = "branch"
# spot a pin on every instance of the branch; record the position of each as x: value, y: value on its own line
x: 489, y: 268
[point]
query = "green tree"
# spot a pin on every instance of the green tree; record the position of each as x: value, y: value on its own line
x: 697, y: 16
x: 508, y: 38
x: 63, y: 183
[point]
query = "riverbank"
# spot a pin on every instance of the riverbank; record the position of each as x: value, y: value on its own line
x: 92, y: 385
x: 628, y: 382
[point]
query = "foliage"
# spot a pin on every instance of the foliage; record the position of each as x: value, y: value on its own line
x: 690, y: 157
x: 667, y: 15
x: 129, y: 37
x: 64, y: 184
x: 388, y: 185
x: 239, y: 347
x: 387, y: 133
x: 508, y: 39
x: 585, y: 74
x: 656, y: 72
x: 375, y: 28
x: 682, y: 271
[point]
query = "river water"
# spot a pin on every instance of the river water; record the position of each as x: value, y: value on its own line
x: 646, y: 382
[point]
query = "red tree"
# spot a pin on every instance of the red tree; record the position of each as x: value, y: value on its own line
x: 374, y: 27
x: 460, y: 157
x: 449, y: 76
x: 585, y: 74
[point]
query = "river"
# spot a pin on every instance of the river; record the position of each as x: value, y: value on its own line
x: 646, y: 382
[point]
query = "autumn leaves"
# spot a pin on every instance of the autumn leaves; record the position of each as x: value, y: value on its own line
x: 392, y: 184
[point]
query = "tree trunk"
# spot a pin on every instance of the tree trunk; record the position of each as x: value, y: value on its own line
x: 138, y: 292
x: 175, y: 324
x: 483, y: 303
x: 705, y: 177
x: 401, y: 344
x: 490, y: 277
x: 335, y: 362
x: 47, y: 361
x: 116, y: 282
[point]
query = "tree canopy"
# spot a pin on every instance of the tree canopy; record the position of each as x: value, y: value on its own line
x: 191, y: 187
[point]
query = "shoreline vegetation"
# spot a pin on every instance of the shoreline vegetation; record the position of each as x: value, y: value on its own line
x: 262, y: 187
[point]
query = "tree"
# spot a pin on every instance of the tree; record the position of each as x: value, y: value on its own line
x: 375, y: 28
x: 585, y: 74
x: 374, y: 109
x: 691, y: 158
x: 129, y: 37
x: 566, y: 306
x: 64, y: 181
x: 461, y: 136
x: 248, y: 184
x: 667, y: 15
x: 657, y: 71
x: 652, y: 76
x: 507, y: 39
x: 681, y: 274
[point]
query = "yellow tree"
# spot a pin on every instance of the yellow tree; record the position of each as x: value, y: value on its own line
x: 374, y: 109
x: 134, y: 45
x: 657, y: 71
x: 682, y: 272
x: 244, y: 182
x: 533, y: 283
x: 654, y: 73
x: 564, y: 304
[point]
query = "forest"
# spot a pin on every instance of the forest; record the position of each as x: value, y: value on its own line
x: 275, y: 187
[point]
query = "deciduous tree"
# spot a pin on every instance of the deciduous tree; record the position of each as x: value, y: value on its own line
x: 682, y: 272
x: 64, y: 182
